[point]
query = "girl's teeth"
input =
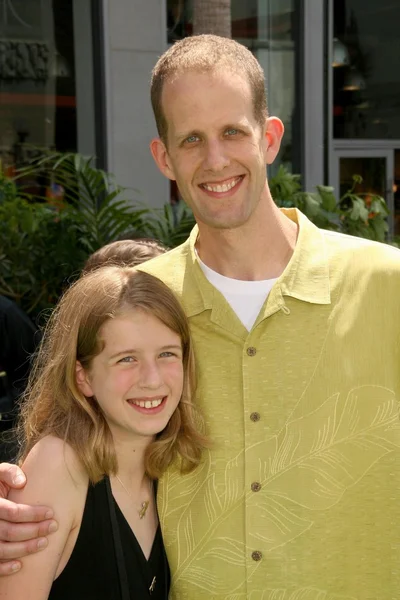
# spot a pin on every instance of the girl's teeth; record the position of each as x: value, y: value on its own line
x: 148, y: 403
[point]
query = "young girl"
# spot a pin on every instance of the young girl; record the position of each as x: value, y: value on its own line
x: 108, y: 408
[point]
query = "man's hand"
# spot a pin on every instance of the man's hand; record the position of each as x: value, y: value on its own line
x: 22, y: 527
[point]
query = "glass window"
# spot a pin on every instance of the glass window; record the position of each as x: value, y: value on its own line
x: 38, y: 96
x: 267, y: 28
x: 372, y: 171
x: 179, y: 19
x: 366, y: 77
x: 396, y: 193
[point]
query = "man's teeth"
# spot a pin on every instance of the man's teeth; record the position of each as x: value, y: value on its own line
x: 147, y: 403
x: 225, y: 187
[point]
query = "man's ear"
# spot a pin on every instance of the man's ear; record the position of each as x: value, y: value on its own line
x: 82, y: 380
x: 274, y: 131
x: 161, y: 157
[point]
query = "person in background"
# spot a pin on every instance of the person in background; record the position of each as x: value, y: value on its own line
x: 18, y: 340
x: 124, y: 252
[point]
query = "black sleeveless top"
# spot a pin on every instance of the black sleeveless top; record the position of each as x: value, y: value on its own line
x: 93, y: 571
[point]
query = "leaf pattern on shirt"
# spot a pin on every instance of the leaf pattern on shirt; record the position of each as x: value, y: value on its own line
x: 298, y: 594
x: 326, y: 451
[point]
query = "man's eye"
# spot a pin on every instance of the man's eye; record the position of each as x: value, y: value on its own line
x: 192, y: 138
x: 231, y: 131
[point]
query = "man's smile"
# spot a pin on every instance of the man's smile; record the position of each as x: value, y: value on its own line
x: 222, y: 187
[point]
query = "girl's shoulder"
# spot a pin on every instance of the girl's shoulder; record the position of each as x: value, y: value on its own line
x: 54, y: 449
x: 57, y: 453
x: 55, y: 464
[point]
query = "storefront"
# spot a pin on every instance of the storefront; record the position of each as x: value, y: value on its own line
x: 364, y: 99
x: 46, y: 80
x: 74, y: 75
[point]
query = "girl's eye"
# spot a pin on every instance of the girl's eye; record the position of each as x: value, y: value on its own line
x: 126, y: 359
x: 167, y: 354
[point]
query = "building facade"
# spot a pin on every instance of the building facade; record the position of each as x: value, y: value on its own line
x: 74, y: 75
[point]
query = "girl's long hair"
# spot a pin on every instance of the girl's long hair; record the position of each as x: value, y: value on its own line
x: 53, y: 404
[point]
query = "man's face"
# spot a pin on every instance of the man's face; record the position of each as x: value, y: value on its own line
x: 217, y: 152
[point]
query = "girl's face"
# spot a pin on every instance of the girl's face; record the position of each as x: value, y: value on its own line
x: 137, y: 379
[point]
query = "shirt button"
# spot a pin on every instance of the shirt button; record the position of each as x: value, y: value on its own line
x: 256, y: 555
x: 255, y: 416
x: 255, y: 486
x: 251, y: 351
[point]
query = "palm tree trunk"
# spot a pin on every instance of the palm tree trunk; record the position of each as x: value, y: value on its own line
x: 212, y: 16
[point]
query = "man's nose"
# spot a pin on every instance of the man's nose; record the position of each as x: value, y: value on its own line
x: 216, y: 158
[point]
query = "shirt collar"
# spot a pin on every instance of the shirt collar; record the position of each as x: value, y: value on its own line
x: 306, y: 276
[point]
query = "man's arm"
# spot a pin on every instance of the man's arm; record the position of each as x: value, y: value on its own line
x: 22, y: 527
x: 53, y: 472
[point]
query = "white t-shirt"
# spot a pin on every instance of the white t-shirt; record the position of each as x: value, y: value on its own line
x: 245, y: 297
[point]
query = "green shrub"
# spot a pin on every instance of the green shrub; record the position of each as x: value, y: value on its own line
x: 170, y: 225
x: 39, y: 251
x: 354, y: 214
x: 43, y: 246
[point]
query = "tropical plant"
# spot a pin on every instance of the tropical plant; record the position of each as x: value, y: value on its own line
x: 8, y: 189
x: 319, y: 207
x: 170, y: 225
x: 98, y: 206
x: 362, y: 214
x: 355, y: 213
x: 40, y: 252
x: 44, y: 243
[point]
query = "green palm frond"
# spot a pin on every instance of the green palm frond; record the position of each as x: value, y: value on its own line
x: 169, y: 225
x: 101, y: 209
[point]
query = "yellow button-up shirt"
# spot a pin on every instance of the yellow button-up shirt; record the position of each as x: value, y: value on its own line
x: 299, y: 497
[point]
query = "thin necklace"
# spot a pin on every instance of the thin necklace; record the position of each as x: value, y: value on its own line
x: 145, y: 504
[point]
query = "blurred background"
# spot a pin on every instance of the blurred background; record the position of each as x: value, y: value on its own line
x: 74, y: 76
